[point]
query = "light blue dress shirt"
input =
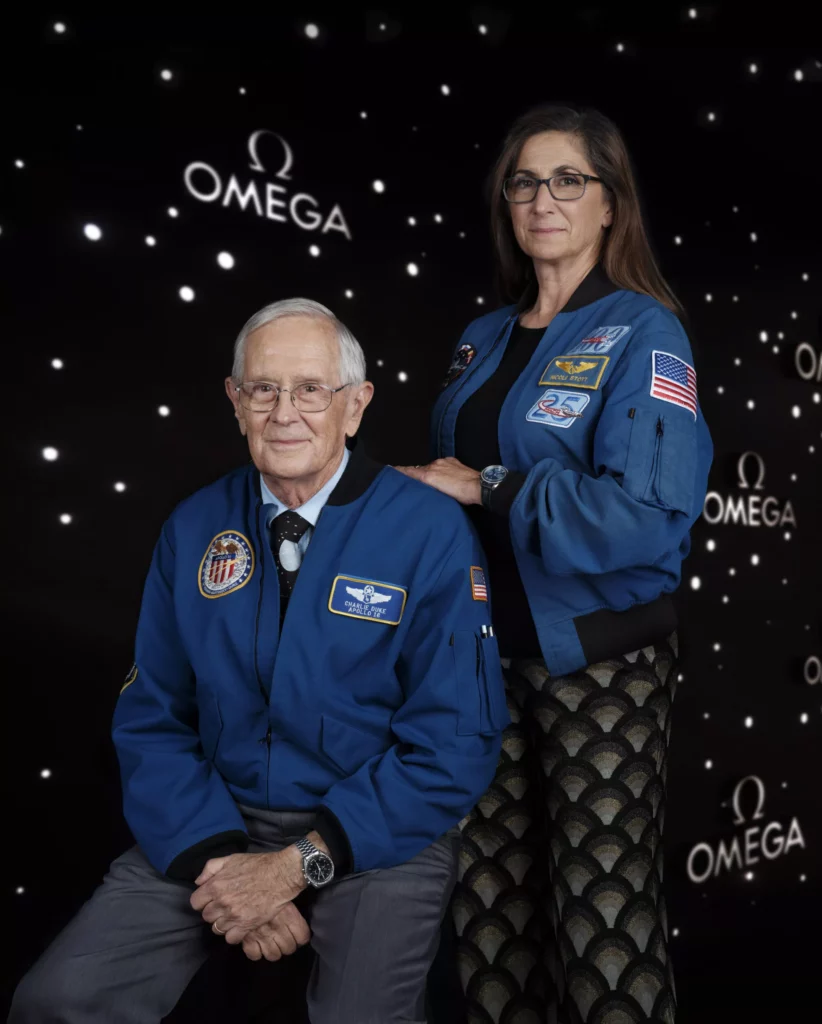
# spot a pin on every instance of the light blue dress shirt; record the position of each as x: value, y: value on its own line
x: 310, y: 511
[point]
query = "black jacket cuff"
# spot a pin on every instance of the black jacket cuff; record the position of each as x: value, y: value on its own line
x: 502, y: 498
x: 334, y: 837
x: 187, y: 865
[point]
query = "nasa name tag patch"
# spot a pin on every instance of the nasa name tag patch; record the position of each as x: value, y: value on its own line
x: 227, y: 564
x: 558, y: 408
x: 576, y: 371
x: 367, y: 599
x: 600, y: 341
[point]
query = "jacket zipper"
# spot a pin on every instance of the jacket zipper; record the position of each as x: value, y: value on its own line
x: 464, y: 380
x: 266, y: 698
x: 654, y: 482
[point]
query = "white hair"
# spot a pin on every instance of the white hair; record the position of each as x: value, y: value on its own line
x: 352, y: 357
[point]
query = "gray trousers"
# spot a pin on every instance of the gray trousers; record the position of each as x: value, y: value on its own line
x: 130, y: 952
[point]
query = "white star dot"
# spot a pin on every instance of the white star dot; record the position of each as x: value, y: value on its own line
x: 803, y: 878
x: 445, y: 90
x: 242, y: 90
x: 725, y: 599
x: 749, y: 876
x: 19, y: 163
x: 173, y: 211
x: 119, y: 487
x: 59, y: 27
x: 706, y: 714
x: 312, y: 31
x: 480, y: 300
x: 462, y: 234
x: 150, y: 240
x: 787, y: 535
x: 349, y: 294
x: 482, y: 29
x: 438, y: 218
x: 720, y: 390
x: 710, y: 545
x: 711, y: 116
x: 737, y: 361
x: 225, y: 260
x: 413, y: 269
x: 735, y: 298
x: 166, y: 75
x: 696, y: 583
x: 709, y: 764
x: 164, y: 410
x: 709, y: 297
x: 817, y: 397
x: 763, y: 335
x: 753, y: 236
x: 186, y: 293
x: 363, y: 114
x: 753, y: 69
x: 45, y: 773
x: 92, y: 232
x: 19, y: 890
x: 751, y: 404
x: 754, y: 559
x: 620, y: 47
x: 798, y: 75
x: 748, y: 722
x: 793, y: 477
x: 803, y: 718
x: 380, y: 362
x: 378, y: 186
x: 57, y: 364
x: 732, y: 572
x: 775, y: 350
x: 675, y: 932
x: 412, y: 221
x: 314, y: 250
x: 50, y: 454
x: 794, y: 316
x: 717, y: 647
x: 65, y: 519
x: 403, y: 376
x: 677, y: 239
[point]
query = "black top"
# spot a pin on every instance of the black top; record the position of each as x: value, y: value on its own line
x: 476, y: 445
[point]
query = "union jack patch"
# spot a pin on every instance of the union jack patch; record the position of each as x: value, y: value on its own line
x: 479, y: 588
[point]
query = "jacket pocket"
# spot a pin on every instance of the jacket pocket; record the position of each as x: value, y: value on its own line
x: 211, y: 723
x: 480, y: 698
x: 347, y: 746
x: 661, y: 462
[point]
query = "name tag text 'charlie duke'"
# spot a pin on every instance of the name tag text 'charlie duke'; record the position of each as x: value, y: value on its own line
x: 367, y: 599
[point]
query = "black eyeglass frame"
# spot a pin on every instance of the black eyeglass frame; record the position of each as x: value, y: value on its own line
x: 547, y: 182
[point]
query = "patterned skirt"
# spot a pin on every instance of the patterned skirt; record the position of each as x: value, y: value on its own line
x: 559, y: 910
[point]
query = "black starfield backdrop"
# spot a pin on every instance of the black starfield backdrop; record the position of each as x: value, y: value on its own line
x: 163, y: 178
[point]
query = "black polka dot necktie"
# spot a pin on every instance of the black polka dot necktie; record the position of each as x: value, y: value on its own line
x: 286, y: 531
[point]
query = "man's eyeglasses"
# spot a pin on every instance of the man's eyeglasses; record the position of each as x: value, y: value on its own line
x: 261, y: 396
x: 523, y: 188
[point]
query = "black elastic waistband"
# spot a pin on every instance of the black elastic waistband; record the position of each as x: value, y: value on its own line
x: 605, y: 634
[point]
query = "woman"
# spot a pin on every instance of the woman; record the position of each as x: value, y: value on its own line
x: 568, y: 425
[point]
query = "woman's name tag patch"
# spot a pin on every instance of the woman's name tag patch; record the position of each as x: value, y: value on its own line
x: 367, y: 599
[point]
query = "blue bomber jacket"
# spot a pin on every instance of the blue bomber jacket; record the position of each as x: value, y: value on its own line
x: 380, y: 705
x: 608, y: 456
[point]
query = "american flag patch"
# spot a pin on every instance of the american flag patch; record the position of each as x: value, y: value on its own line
x: 673, y: 380
x: 479, y: 587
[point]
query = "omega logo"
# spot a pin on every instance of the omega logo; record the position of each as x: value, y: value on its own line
x: 704, y: 861
x: 750, y: 509
x: 267, y: 199
x: 808, y: 363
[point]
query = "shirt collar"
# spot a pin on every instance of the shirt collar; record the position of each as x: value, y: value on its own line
x: 310, y: 511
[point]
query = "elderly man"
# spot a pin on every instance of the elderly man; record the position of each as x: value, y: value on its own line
x: 316, y: 701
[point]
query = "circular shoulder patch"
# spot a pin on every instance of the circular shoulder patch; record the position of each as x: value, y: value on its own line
x: 227, y: 564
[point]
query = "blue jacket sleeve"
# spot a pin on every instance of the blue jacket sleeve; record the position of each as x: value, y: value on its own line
x: 174, y: 800
x: 651, y: 459
x: 448, y: 730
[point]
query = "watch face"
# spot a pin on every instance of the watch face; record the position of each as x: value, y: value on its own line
x: 319, y: 869
x: 494, y: 474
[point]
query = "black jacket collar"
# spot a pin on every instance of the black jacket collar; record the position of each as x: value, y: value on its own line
x: 357, y: 477
x: 595, y: 285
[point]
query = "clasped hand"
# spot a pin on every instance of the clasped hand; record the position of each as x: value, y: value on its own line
x: 247, y: 898
x: 451, y: 477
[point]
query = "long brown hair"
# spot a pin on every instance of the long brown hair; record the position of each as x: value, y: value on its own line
x: 626, y: 254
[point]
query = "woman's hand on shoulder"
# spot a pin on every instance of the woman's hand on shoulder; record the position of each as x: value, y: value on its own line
x: 449, y: 476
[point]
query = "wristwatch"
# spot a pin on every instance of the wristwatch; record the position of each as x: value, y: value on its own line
x: 318, y: 867
x: 490, y: 479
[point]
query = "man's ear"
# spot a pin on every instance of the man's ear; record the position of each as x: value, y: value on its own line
x: 234, y: 398
x: 360, y: 401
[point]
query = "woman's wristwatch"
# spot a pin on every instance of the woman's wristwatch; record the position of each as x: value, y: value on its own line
x: 490, y: 479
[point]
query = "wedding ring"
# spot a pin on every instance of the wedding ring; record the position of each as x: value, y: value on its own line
x: 216, y: 930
